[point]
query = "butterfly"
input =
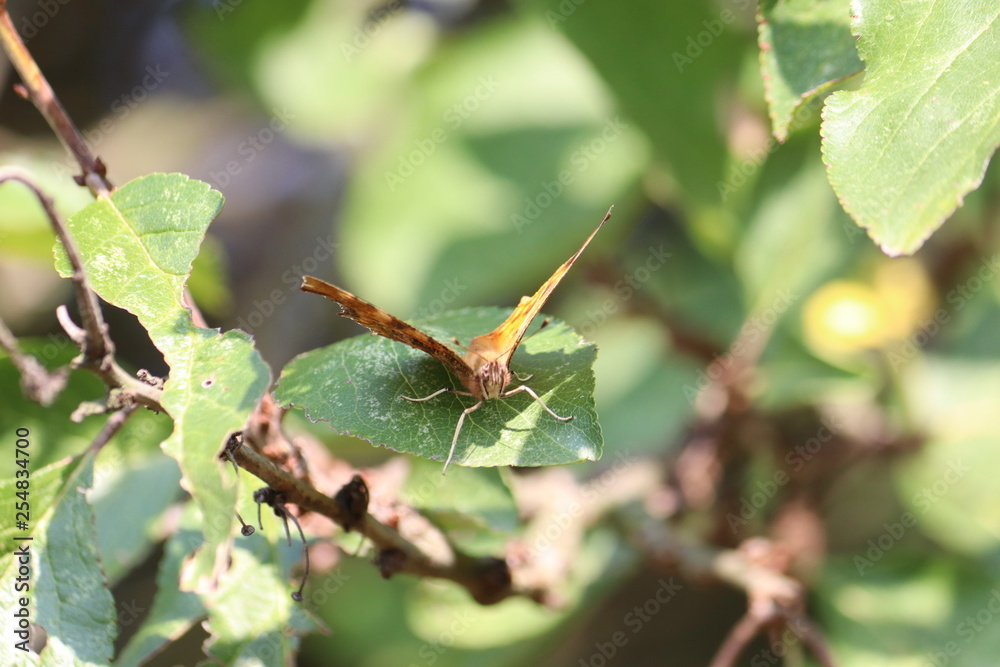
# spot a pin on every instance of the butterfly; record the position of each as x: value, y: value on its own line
x: 484, y: 370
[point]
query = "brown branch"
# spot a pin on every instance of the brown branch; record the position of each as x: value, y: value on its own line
x: 739, y: 637
x: 487, y: 579
x: 765, y: 614
x: 111, y: 427
x: 775, y: 600
x: 36, y: 88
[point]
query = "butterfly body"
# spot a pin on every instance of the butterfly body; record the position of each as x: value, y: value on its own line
x: 484, y: 370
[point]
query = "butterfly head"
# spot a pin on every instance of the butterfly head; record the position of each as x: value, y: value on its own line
x: 493, y: 378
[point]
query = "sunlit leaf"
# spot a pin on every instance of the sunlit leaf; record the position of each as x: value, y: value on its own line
x: 356, y: 385
x: 904, y: 149
x: 806, y: 46
x: 137, y: 247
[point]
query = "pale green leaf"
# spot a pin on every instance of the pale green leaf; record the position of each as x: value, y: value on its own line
x: 904, y: 149
x: 806, y: 46
x: 252, y: 617
x: 137, y: 247
x: 174, y: 611
x: 473, y: 506
x: 68, y: 595
x: 356, y: 385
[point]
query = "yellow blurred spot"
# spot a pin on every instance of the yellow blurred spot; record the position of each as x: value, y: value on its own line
x: 844, y: 316
x: 906, y: 293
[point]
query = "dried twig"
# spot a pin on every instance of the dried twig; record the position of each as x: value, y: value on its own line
x: 111, y: 427
x: 37, y: 383
x: 487, y: 579
x: 37, y: 89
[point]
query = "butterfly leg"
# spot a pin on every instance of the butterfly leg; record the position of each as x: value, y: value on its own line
x: 523, y: 379
x: 437, y: 393
x: 531, y: 393
x: 458, y: 429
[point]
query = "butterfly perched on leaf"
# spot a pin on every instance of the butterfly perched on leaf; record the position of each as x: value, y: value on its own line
x: 483, y: 371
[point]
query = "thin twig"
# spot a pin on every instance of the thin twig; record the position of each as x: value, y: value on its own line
x: 37, y: 383
x: 738, y: 639
x: 111, y: 427
x: 97, y: 347
x: 95, y: 344
x: 37, y: 89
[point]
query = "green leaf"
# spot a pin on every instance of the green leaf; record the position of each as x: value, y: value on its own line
x: 174, y: 611
x: 137, y: 247
x: 903, y: 608
x: 806, y: 46
x: 797, y: 221
x: 54, y: 435
x: 252, y: 617
x: 904, y: 150
x: 25, y: 230
x: 473, y: 506
x: 124, y: 526
x: 356, y: 385
x: 68, y: 594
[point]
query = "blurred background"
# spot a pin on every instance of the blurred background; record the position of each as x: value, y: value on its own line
x: 438, y: 154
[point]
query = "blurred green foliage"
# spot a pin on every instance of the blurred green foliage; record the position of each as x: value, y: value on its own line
x: 482, y: 140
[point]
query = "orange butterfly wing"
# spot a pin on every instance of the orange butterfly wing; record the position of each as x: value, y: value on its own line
x: 501, y: 343
x: 384, y: 324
